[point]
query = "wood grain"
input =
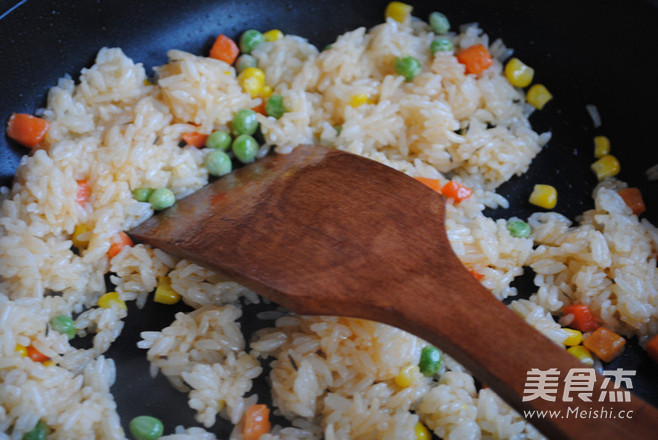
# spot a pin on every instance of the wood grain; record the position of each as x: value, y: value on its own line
x: 329, y: 233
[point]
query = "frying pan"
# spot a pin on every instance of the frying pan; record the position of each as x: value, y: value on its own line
x: 587, y: 52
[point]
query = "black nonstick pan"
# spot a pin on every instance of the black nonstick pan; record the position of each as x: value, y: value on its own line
x: 601, y: 53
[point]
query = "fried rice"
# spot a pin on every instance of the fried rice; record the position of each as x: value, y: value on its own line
x: 330, y: 377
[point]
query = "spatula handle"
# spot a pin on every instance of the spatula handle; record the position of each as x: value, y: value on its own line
x: 500, y: 349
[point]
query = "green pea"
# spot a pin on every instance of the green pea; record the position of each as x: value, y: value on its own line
x: 142, y: 194
x: 219, y: 139
x: 250, y: 39
x: 408, y: 67
x: 430, y: 360
x: 162, y: 198
x: 39, y: 432
x: 439, y: 23
x: 245, y: 148
x: 245, y: 60
x: 217, y: 163
x: 244, y: 122
x: 64, y: 325
x: 519, y: 228
x: 441, y: 45
x: 146, y: 428
x: 274, y: 106
x: 339, y: 129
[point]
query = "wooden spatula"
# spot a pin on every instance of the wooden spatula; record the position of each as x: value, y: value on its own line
x: 324, y: 232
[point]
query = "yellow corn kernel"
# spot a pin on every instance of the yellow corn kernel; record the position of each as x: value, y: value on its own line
x: 405, y: 377
x: 359, y: 100
x: 81, y: 236
x: 48, y: 363
x: 147, y: 82
x: 607, y: 166
x: 518, y: 73
x: 422, y: 433
x: 601, y: 146
x: 21, y: 349
x: 574, y: 337
x: 582, y: 354
x: 109, y: 299
x: 538, y: 96
x: 273, y: 35
x: 164, y: 293
x: 544, y: 196
x: 266, y: 91
x: 252, y: 81
x: 398, y: 11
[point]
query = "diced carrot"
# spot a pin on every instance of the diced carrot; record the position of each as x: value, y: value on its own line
x: 652, y: 348
x: 195, y: 138
x: 605, y: 343
x: 224, y: 49
x: 478, y: 276
x: 119, y: 242
x: 633, y: 198
x: 83, y: 193
x: 256, y: 422
x: 476, y: 59
x: 456, y: 190
x: 260, y: 108
x: 26, y: 129
x: 583, y: 319
x: 35, y: 354
x: 432, y: 183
